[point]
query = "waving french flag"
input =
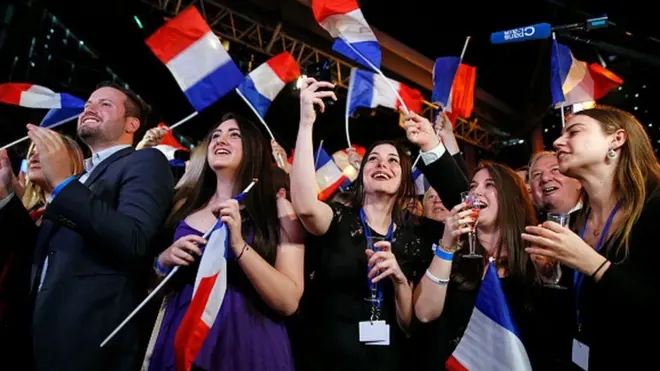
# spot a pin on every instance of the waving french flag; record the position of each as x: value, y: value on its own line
x: 573, y: 81
x: 267, y: 81
x: 196, y: 58
x: 208, y: 295
x: 344, y: 21
x: 36, y: 96
x: 370, y: 90
x: 454, y: 83
x: 421, y: 184
x: 491, y: 341
x: 328, y: 175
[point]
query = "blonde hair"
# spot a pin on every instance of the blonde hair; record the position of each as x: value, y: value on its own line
x: 537, y: 156
x: 637, y: 174
x: 34, y: 196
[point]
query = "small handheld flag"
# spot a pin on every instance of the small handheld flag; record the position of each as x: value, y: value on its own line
x: 196, y: 58
x: 35, y: 96
x: 169, y: 276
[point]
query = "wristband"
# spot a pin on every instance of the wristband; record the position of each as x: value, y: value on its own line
x: 160, y: 270
x: 436, y: 280
x: 442, y: 254
x: 599, y: 268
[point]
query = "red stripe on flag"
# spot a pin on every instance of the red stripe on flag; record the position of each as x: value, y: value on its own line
x: 412, y: 97
x: 452, y: 364
x: 462, y: 91
x: 324, y: 8
x: 285, y: 67
x: 11, y: 93
x: 604, y: 80
x: 328, y: 192
x: 178, y: 34
x: 170, y: 140
x: 192, y: 332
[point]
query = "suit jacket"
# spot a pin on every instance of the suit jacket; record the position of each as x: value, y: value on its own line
x: 97, y: 237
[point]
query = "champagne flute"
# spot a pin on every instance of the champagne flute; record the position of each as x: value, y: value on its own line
x: 373, y: 287
x: 473, y: 202
x: 551, y: 273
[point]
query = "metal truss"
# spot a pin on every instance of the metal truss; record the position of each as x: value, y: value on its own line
x: 235, y: 27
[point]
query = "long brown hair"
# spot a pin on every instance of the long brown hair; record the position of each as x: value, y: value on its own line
x: 34, y: 196
x: 406, y: 190
x: 515, y: 212
x: 198, y: 185
x: 637, y: 174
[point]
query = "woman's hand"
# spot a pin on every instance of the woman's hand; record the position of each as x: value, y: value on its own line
x: 310, y: 96
x: 555, y: 241
x: 229, y: 213
x: 458, y: 222
x: 384, y: 264
x: 420, y: 132
x: 182, y: 251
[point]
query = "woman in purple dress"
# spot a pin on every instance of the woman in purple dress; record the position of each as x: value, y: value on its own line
x: 264, y: 264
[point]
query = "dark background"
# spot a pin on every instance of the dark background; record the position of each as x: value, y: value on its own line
x: 70, y: 46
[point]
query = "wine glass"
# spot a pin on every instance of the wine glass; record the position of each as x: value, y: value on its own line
x: 550, y: 274
x: 472, y: 202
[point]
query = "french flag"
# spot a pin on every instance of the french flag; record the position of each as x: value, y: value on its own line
x: 341, y: 159
x: 266, y: 81
x: 169, y: 145
x: 196, y: 58
x: 344, y: 21
x: 421, y: 185
x: 328, y: 175
x: 453, y: 87
x: 491, y: 341
x: 573, y: 81
x: 56, y: 117
x: 370, y: 90
x: 208, y: 295
x: 36, y: 96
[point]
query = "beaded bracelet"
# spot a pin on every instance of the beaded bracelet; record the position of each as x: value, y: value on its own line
x: 160, y: 270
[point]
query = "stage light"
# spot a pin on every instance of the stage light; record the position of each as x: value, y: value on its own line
x: 137, y: 20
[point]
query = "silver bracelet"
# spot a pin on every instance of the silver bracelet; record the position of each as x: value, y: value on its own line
x: 436, y: 280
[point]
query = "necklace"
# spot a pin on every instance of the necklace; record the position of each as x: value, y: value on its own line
x: 596, y: 232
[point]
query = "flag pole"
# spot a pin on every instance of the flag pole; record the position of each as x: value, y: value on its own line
x: 348, y: 104
x: 254, y: 110
x: 467, y: 41
x: 318, y: 154
x: 279, y: 159
x: 144, y: 302
x: 387, y: 81
x: 184, y: 120
x: 49, y: 127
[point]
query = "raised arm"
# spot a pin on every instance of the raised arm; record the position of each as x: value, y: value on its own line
x: 315, y: 215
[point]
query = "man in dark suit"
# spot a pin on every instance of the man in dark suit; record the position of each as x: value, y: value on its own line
x: 92, y: 251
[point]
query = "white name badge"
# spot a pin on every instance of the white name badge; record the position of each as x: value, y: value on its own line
x: 581, y: 354
x: 374, y: 333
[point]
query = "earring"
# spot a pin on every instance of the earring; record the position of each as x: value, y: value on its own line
x: 611, y: 154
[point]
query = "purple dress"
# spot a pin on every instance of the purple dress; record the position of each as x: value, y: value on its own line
x: 241, y: 339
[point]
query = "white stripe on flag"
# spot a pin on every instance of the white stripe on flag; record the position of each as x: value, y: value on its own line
x: 198, y: 60
x: 266, y: 81
x: 351, y: 26
x: 327, y: 175
x: 487, y: 346
x: 37, y: 98
x: 575, y: 75
x: 383, y: 94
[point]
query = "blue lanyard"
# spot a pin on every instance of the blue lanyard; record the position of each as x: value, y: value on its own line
x: 578, y: 277
x: 388, y: 237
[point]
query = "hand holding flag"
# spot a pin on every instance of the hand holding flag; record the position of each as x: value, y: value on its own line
x: 420, y: 132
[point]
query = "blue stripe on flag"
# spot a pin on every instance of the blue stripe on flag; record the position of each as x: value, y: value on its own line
x: 250, y: 92
x: 492, y: 302
x: 362, y: 90
x: 323, y: 158
x: 561, y: 61
x: 369, y: 49
x: 57, y: 116
x: 444, y: 72
x: 69, y: 101
x: 214, y: 86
